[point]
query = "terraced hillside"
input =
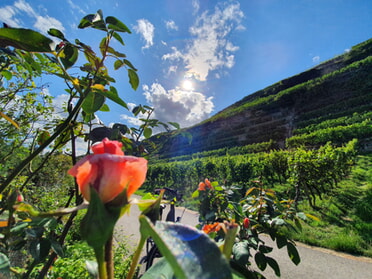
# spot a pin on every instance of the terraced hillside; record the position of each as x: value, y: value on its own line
x: 333, y: 96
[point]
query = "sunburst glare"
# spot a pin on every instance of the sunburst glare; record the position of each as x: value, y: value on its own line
x: 187, y: 85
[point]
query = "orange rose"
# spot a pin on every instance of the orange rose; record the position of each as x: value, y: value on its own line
x: 109, y: 172
x: 215, y: 227
x: 204, y: 185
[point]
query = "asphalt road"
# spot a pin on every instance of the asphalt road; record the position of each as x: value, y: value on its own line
x: 316, y: 263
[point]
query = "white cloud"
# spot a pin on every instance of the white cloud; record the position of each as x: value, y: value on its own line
x: 146, y: 29
x: 195, y: 4
x: 231, y: 47
x: 7, y: 15
x: 210, y: 48
x: 316, y: 59
x: 174, y: 55
x: 171, y: 25
x: 42, y: 23
x: 172, y: 69
x: 75, y: 7
x: 131, y: 120
x: 184, y: 107
x: 24, y: 7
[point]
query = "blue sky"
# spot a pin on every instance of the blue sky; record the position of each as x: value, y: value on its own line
x: 196, y: 57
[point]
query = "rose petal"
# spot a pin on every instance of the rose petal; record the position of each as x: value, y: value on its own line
x: 108, y: 146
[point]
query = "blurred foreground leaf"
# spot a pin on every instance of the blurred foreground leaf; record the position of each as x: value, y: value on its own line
x: 25, y: 39
x: 191, y: 253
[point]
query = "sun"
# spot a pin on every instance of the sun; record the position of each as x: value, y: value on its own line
x: 187, y: 85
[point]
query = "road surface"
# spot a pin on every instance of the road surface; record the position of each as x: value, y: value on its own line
x: 316, y: 263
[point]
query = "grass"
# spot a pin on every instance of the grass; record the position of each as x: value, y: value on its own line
x: 346, y: 216
x: 73, y: 265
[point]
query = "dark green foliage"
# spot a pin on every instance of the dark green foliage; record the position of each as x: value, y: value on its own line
x: 363, y: 208
x: 338, y: 135
x: 237, y: 150
x: 311, y: 172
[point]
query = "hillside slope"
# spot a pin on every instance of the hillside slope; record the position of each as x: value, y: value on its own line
x: 336, y: 88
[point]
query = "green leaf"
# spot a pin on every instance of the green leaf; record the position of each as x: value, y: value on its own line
x: 56, y: 33
x: 147, y: 132
x: 93, y: 102
x: 293, y: 253
x: 4, y: 264
x: 118, y: 64
x: 298, y: 224
x: 25, y: 39
x: 265, y: 249
x: 260, y: 260
x: 175, y: 125
x: 129, y: 64
x: 87, y: 117
x: 161, y: 269
x: 117, y: 25
x: 274, y: 265
x: 36, y: 232
x: 105, y: 108
x: 136, y: 110
x: 241, y: 252
x: 57, y: 248
x: 278, y: 222
x: 8, y: 75
x: 191, y: 253
x: 195, y: 194
x: 113, y: 96
x: 133, y: 79
x: 29, y: 57
x: 103, y: 45
x: 98, y: 224
x: 116, y: 53
x: 118, y: 37
x: 69, y: 55
x: 94, y: 21
x: 121, y: 127
x: 151, y: 207
x: 86, y: 21
x: 39, y: 249
x: 281, y: 241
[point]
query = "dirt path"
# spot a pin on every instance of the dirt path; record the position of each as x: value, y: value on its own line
x: 316, y: 262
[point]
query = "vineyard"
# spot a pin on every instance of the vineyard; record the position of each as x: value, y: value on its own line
x: 331, y: 102
x: 318, y: 170
x: 307, y: 137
